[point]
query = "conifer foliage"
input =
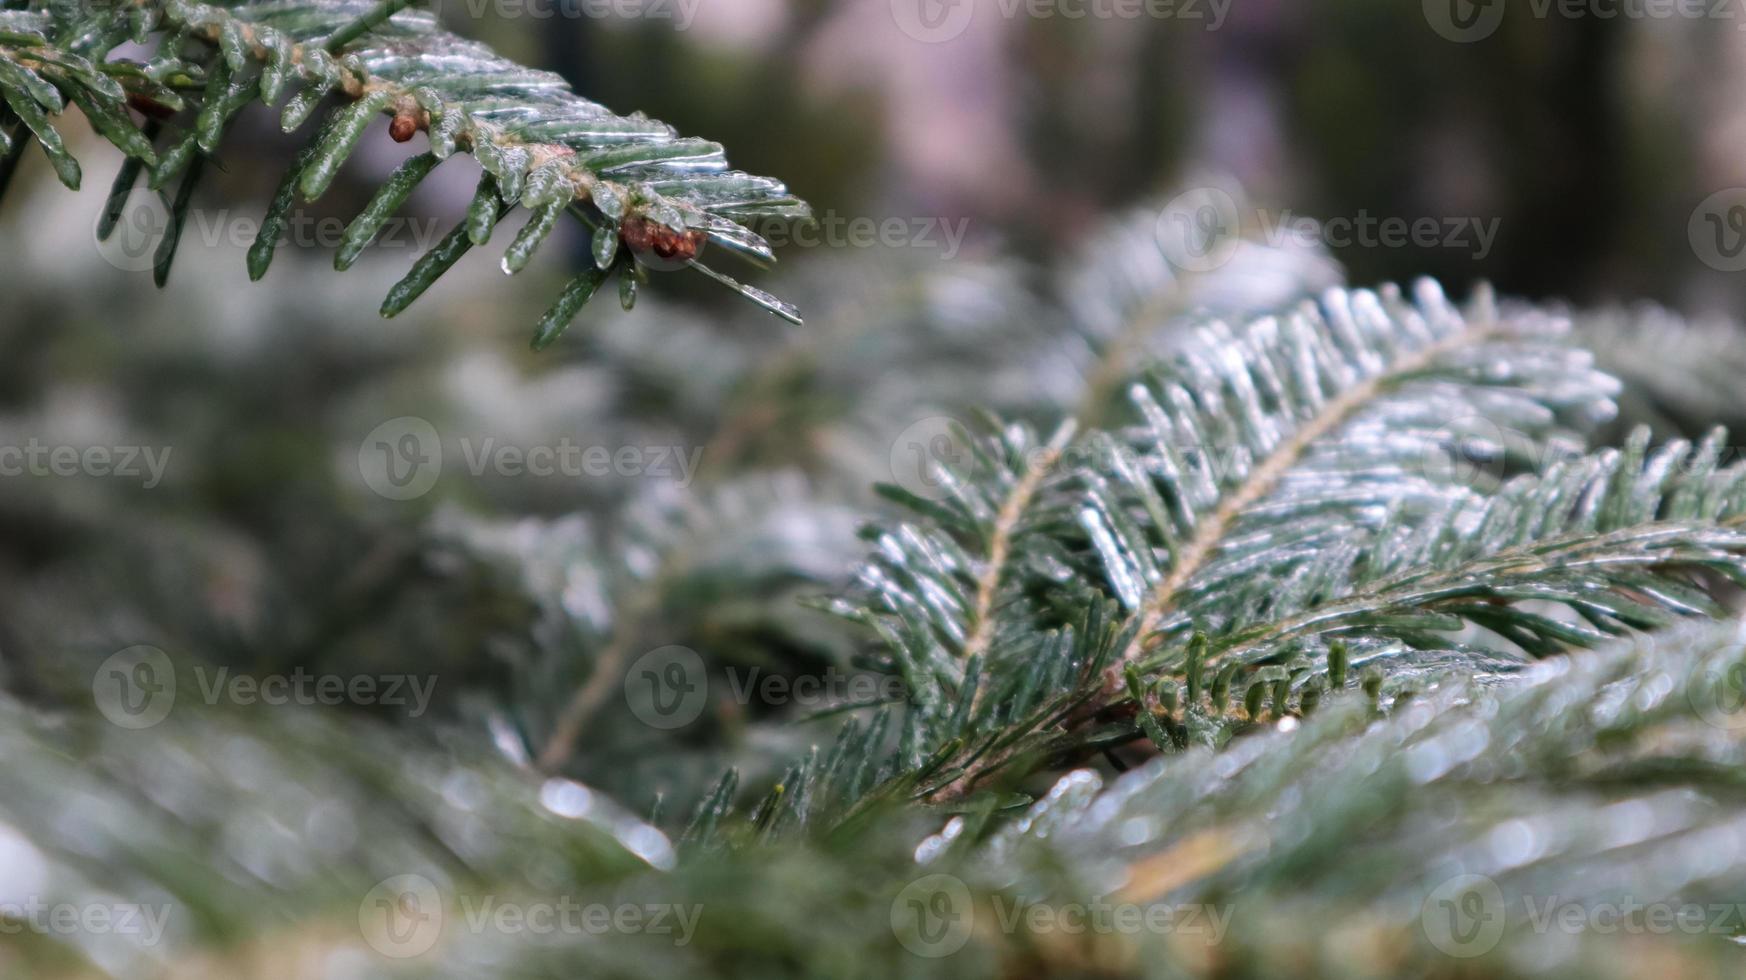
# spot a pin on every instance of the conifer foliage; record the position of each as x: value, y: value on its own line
x: 1363, y: 632
x: 1364, y: 490
x: 163, y: 80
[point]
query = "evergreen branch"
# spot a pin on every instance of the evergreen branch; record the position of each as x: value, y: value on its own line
x: 1680, y: 376
x: 1115, y: 364
x: 1210, y: 534
x: 658, y: 574
x: 1617, y: 581
x: 1000, y: 540
x: 1125, y: 296
x: 1312, y: 425
x: 363, y: 24
x: 11, y: 152
x: 1322, y: 847
x: 1328, y: 542
x: 607, y: 673
x: 1362, y: 815
x: 648, y: 197
x: 1134, y: 287
x: 1594, y: 533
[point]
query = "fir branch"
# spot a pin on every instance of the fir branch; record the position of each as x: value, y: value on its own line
x: 606, y: 674
x: 1132, y: 291
x: 1681, y: 376
x: 1319, y: 532
x: 646, y: 195
x: 1000, y: 538
x: 1616, y: 579
x: 1115, y: 364
x: 1364, y: 813
x: 1322, y: 846
x: 656, y: 573
x: 1210, y: 534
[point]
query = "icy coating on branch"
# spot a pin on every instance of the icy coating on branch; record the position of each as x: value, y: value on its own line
x: 648, y: 197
